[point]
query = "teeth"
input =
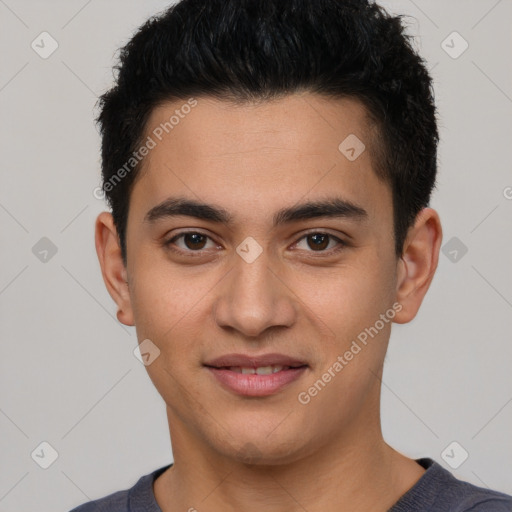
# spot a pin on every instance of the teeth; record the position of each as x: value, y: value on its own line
x: 261, y: 370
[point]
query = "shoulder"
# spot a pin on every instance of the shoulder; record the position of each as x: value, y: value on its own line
x: 116, y: 502
x: 127, y: 500
x: 439, y: 490
x: 471, y: 498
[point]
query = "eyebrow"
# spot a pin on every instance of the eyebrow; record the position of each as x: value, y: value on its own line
x: 329, y: 208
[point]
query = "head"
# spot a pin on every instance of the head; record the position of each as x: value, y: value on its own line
x: 274, y: 124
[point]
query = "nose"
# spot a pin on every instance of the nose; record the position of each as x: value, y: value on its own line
x: 253, y: 297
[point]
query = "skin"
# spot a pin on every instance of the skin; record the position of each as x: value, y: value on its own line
x: 270, y: 453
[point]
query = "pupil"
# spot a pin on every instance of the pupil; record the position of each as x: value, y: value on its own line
x: 196, y: 238
x: 319, y: 241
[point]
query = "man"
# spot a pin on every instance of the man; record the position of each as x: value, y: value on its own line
x: 269, y: 166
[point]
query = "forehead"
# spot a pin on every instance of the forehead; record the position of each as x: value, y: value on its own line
x: 253, y: 157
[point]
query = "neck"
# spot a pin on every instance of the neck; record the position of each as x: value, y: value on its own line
x: 356, y: 473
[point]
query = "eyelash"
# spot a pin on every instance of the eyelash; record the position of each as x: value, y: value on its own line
x: 170, y: 244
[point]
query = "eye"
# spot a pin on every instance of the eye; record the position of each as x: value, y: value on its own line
x: 190, y: 241
x: 194, y: 243
x: 319, y: 242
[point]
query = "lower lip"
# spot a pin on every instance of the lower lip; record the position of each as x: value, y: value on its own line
x: 254, y: 384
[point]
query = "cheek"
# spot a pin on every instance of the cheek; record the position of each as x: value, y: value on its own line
x: 167, y: 298
x: 350, y: 360
x: 348, y: 297
x: 167, y: 308
x: 350, y: 301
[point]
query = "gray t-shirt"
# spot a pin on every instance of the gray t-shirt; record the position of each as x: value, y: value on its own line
x: 436, y: 491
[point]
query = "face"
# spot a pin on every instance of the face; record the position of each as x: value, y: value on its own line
x: 284, y: 262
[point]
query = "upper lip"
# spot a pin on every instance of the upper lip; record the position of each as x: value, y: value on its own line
x: 246, y: 361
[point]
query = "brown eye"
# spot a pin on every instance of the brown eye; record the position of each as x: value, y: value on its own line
x: 194, y: 240
x: 320, y: 242
x: 190, y: 242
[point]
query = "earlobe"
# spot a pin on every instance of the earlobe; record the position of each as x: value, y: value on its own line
x: 418, y: 263
x: 112, y: 266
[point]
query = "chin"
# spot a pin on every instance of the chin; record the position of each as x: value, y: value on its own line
x: 263, y: 450
x: 253, y: 455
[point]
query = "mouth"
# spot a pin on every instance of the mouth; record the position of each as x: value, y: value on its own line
x: 260, y: 370
x: 255, y: 376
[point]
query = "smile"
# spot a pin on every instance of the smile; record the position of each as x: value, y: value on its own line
x: 256, y: 382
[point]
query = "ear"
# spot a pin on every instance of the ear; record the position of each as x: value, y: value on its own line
x: 112, y: 266
x: 418, y: 263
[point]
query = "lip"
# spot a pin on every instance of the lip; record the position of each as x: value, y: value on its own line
x: 255, y: 385
x: 247, y: 361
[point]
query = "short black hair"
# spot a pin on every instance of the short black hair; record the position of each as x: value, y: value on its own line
x: 259, y: 50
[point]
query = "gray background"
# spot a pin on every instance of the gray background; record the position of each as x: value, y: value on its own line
x: 68, y: 373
